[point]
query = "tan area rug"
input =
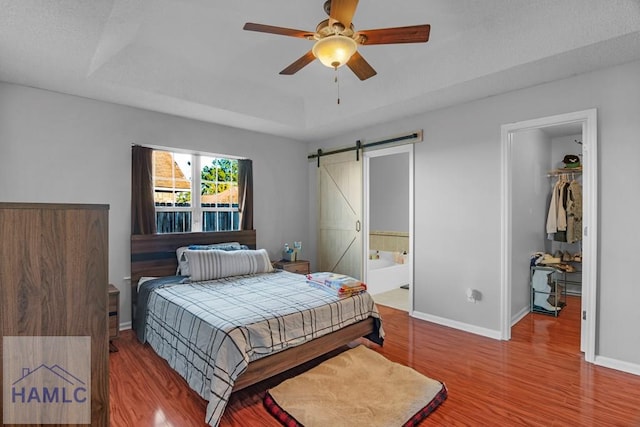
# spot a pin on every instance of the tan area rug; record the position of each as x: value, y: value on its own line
x: 356, y: 388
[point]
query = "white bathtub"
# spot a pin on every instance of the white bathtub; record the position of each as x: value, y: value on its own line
x: 385, y: 275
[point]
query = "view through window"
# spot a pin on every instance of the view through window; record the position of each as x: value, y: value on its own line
x: 195, y: 192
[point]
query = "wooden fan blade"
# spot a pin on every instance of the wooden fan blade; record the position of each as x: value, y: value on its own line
x: 343, y: 11
x: 411, y: 34
x: 261, y: 28
x: 360, y: 67
x: 300, y: 63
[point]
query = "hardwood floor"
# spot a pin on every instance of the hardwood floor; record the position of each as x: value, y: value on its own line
x: 537, y: 378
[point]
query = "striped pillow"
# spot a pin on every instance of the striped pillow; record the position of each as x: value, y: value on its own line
x: 214, y: 264
x: 183, y: 264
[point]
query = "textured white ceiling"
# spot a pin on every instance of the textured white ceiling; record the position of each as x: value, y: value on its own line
x: 191, y: 57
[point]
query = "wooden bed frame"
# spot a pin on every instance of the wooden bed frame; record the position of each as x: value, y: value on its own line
x: 154, y: 255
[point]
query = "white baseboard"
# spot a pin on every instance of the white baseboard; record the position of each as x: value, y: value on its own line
x: 489, y: 333
x: 125, y: 325
x: 619, y: 365
x: 518, y: 317
x: 606, y: 362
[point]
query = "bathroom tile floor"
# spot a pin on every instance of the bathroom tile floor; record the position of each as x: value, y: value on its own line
x: 396, y: 298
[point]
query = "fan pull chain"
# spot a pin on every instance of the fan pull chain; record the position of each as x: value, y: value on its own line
x: 337, y: 85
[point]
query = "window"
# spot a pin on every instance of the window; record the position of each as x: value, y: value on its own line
x: 195, y: 192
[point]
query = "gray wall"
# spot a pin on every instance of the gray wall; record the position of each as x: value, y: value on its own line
x: 51, y: 143
x: 389, y: 193
x: 60, y: 148
x: 457, y: 225
x: 531, y: 158
x: 563, y: 145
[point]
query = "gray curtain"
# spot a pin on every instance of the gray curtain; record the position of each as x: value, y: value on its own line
x: 245, y: 193
x: 143, y: 210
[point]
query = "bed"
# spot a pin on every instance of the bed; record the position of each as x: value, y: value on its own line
x: 155, y: 256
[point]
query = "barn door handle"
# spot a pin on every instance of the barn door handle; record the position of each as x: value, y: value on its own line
x: 358, y: 225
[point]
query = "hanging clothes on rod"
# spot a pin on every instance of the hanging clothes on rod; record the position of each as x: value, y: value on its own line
x: 574, y: 212
x: 564, y: 217
x: 557, y: 216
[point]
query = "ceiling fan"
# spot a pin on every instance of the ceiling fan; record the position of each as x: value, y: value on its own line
x: 337, y: 41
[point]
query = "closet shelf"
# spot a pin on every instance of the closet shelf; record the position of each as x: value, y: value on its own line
x: 564, y: 171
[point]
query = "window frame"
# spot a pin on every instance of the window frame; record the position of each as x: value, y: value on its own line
x: 196, y: 209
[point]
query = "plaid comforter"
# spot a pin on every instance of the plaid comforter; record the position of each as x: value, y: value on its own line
x: 209, y: 331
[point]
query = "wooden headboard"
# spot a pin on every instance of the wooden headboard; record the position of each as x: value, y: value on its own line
x: 154, y: 255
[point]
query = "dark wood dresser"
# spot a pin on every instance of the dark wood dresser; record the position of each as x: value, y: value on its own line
x: 54, y: 276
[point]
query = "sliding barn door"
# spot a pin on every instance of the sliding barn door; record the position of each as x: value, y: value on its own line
x: 340, y: 214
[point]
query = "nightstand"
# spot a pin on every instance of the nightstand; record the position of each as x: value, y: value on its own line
x: 300, y: 266
x: 114, y: 316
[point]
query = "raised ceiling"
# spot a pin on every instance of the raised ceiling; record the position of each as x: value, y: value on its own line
x: 191, y: 58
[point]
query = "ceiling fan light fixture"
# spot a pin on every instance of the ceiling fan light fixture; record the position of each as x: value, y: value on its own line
x: 334, y: 51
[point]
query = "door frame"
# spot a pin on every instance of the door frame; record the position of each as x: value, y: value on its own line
x: 588, y: 119
x: 367, y: 156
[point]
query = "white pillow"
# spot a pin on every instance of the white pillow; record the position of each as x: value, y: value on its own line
x: 144, y: 279
x: 215, y: 264
x: 183, y: 264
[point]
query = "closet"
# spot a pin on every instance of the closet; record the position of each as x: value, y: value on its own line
x: 537, y: 163
x: 564, y: 225
x: 53, y: 294
x: 532, y: 149
x: 561, y: 260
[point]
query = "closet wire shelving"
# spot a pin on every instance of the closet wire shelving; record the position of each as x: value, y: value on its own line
x: 567, y: 174
x: 556, y: 293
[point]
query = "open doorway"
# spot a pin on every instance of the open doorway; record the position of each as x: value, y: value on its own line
x: 388, y: 219
x: 530, y: 153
